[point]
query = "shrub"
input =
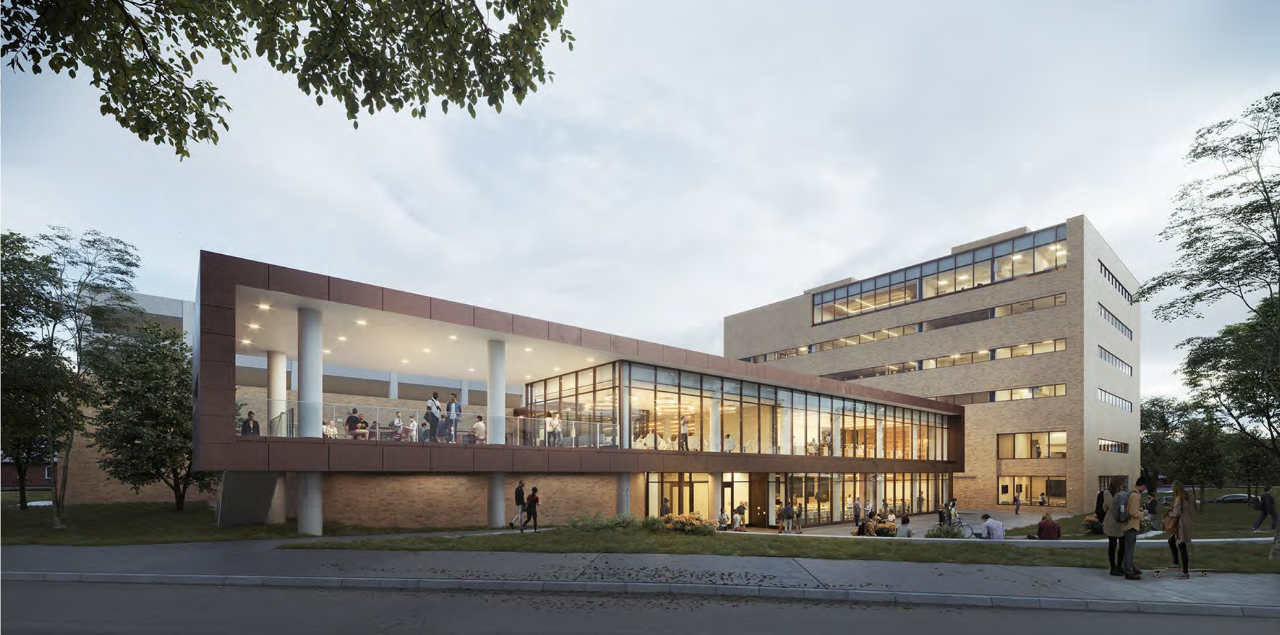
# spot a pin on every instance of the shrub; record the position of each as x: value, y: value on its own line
x: 653, y: 523
x: 886, y: 530
x: 944, y: 531
x: 1092, y: 525
x: 623, y: 521
x: 693, y: 524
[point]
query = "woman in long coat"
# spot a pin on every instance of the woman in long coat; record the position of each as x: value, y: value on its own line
x: 1180, y: 516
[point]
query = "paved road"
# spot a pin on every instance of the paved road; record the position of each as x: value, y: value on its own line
x: 73, y: 609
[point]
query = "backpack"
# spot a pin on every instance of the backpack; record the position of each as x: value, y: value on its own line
x: 1100, y: 508
x: 1121, y: 506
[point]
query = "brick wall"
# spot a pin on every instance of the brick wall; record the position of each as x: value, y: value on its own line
x: 88, y: 484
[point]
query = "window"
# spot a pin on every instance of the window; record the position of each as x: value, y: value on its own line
x: 1115, y: 282
x: 1032, y: 445
x: 1005, y: 394
x: 1105, y: 481
x: 1110, y: 358
x: 957, y: 359
x: 1047, y: 491
x: 1114, y: 321
x: 1045, y: 250
x: 1113, y: 400
x: 48, y: 473
x: 1107, y: 445
x: 979, y: 315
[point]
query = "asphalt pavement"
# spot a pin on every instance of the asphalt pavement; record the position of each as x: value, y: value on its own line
x: 39, y: 608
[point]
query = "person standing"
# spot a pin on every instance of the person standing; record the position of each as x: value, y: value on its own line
x: 433, y: 417
x: 478, y: 433
x: 397, y: 428
x: 250, y: 427
x: 1126, y: 514
x: 1266, y: 506
x: 1111, y: 526
x: 519, y: 506
x: 684, y: 434
x: 920, y: 502
x: 353, y: 426
x: 411, y: 429
x: 857, y: 511
x: 531, y: 511
x: 1017, y: 504
x: 788, y: 517
x: 665, y: 509
x: 1043, y: 501
x: 554, y: 431
x: 1180, y: 513
x: 452, y: 415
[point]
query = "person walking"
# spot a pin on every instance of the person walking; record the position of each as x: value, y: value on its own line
x: 433, y: 417
x: 1017, y: 504
x: 1178, y: 523
x: 452, y: 415
x: 1266, y: 506
x: 531, y: 511
x: 519, y: 506
x: 250, y: 427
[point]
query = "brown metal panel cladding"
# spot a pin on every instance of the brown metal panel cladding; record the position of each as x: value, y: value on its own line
x: 452, y: 459
x: 696, y: 463
x: 493, y: 320
x: 563, y: 461
x: 236, y: 457
x: 413, y: 457
x: 674, y: 463
x: 218, y: 320
x: 297, y: 457
x: 649, y: 351
x: 243, y: 271
x: 673, y: 355
x: 405, y: 303
x: 215, y: 292
x: 624, y: 462
x: 217, y: 428
x: 700, y: 361
x: 529, y: 327
x: 564, y: 333
x: 296, y: 282
x: 357, y: 456
x: 219, y: 375
x: 532, y: 461
x: 452, y: 312
x: 648, y: 462
x: 624, y: 346
x: 721, y: 462
x: 595, y: 461
x: 217, y: 348
x: 217, y: 402
x: 492, y: 459
x: 955, y: 441
x: 355, y: 293
x: 595, y: 340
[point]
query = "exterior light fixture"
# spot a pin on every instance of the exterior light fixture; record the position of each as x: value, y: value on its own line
x: 426, y: 350
x: 471, y: 370
x: 453, y: 337
x: 254, y: 326
x: 327, y: 351
x: 362, y: 322
x: 528, y: 349
x: 264, y: 306
x: 528, y: 376
x: 556, y: 369
x: 342, y: 338
x: 591, y: 359
x: 245, y: 342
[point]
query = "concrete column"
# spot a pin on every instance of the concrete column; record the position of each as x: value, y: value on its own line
x: 879, y: 435
x: 393, y: 385
x: 623, y: 490
x: 717, y: 495
x: 464, y: 393
x: 310, y: 380
x: 277, y: 426
x: 623, y: 371
x: 497, y: 500
x: 496, y: 411
x: 717, y: 439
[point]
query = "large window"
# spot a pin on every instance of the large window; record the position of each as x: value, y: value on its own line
x: 1005, y: 394
x: 957, y: 359
x: 1048, y: 491
x: 1115, y: 283
x: 1114, y: 400
x: 968, y: 317
x: 1104, y: 481
x: 1107, y: 445
x: 1032, y: 445
x: 1110, y: 358
x: 1044, y: 250
x: 1115, y: 321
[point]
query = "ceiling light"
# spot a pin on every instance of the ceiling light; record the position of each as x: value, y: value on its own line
x: 528, y: 376
x: 1017, y: 256
x: 1047, y: 342
x: 264, y: 307
x: 362, y: 322
x: 245, y: 342
x: 956, y: 355
x: 944, y: 282
x: 426, y: 350
x: 1062, y: 253
x: 453, y: 337
x: 254, y: 326
x: 591, y: 359
x: 557, y: 369
x: 963, y: 278
x: 404, y: 361
x: 342, y: 338
x: 471, y: 370
x: 528, y: 349
x: 327, y: 351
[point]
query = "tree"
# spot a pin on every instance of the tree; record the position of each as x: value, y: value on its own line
x: 1201, y: 456
x: 29, y: 374
x: 1252, y: 465
x: 143, y: 54
x: 1236, y: 376
x: 93, y: 275
x: 144, y: 415
x: 1163, y: 419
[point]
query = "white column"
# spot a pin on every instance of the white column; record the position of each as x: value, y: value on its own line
x: 496, y: 427
x: 716, y: 438
x: 310, y: 381
x: 622, y: 504
x: 277, y: 426
x: 393, y: 385
x: 717, y: 495
x: 623, y: 370
x: 879, y: 434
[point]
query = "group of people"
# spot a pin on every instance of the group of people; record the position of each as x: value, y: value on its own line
x: 1017, y: 502
x: 737, y: 522
x: 526, y: 508
x: 1122, y: 511
x: 439, y: 425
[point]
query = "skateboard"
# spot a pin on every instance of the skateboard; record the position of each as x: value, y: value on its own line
x: 1176, y: 570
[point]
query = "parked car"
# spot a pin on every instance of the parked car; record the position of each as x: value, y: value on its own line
x: 1166, y: 501
x: 1233, y: 498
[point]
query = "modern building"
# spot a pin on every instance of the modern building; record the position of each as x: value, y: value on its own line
x: 1035, y: 333
x: 599, y: 422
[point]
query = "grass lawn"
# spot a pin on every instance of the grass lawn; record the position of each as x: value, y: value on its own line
x: 144, y: 523
x: 1243, y: 558
x: 10, y: 498
x: 1215, y: 520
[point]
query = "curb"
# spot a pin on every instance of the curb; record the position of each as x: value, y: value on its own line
x: 644, y: 588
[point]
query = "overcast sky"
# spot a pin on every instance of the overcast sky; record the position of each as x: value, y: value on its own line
x: 690, y: 161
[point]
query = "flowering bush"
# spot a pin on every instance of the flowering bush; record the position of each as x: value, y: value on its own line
x: 690, y: 524
x: 1092, y: 525
x: 944, y: 531
x: 886, y: 530
x: 600, y: 523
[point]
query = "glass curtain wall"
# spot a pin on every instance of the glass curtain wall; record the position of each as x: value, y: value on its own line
x: 822, y: 499
x: 585, y: 401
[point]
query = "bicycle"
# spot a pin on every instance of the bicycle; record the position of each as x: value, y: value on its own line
x: 965, y: 530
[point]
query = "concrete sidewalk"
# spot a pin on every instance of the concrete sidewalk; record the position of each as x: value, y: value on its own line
x: 257, y: 563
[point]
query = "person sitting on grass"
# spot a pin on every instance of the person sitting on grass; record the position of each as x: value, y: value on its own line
x: 1048, y: 528
x: 994, y: 529
x: 904, y: 528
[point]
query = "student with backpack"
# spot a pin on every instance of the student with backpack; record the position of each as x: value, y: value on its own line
x: 1124, y: 515
x: 1265, y: 506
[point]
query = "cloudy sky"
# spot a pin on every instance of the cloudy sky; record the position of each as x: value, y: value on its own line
x: 691, y: 160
